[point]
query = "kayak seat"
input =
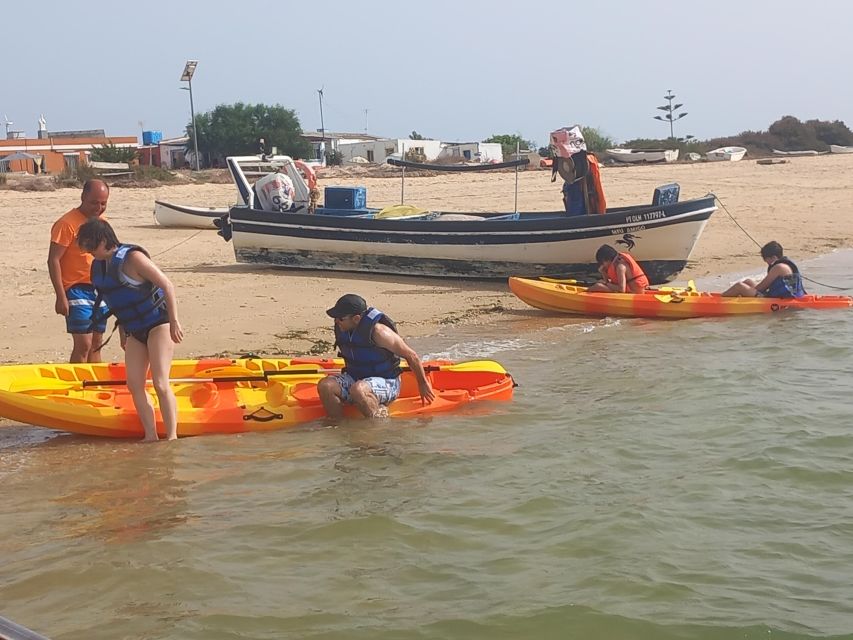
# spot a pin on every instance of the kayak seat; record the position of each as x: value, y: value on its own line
x: 204, y: 395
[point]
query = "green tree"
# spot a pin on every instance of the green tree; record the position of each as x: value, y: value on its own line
x: 414, y: 135
x: 835, y: 132
x: 509, y: 141
x: 235, y: 129
x: 110, y: 153
x: 334, y: 158
x: 596, y: 140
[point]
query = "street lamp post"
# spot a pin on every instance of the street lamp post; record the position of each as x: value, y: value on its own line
x: 187, y: 77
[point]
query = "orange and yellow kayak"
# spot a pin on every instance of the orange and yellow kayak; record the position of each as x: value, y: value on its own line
x: 221, y: 395
x: 568, y: 298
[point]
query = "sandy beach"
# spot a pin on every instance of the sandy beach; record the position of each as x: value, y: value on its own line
x: 228, y: 308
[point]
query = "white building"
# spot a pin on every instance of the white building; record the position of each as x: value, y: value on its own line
x: 377, y: 151
x: 324, y: 142
x: 484, y: 152
x: 173, y: 152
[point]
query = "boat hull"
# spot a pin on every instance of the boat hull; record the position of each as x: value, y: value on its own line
x: 643, y: 155
x: 564, y: 298
x: 220, y: 396
x: 804, y: 152
x: 181, y: 216
x: 661, y: 238
x: 726, y: 154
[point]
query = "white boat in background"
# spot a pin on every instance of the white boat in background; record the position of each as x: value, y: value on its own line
x: 837, y: 148
x: 643, y: 155
x: 249, y: 168
x: 730, y: 154
x: 179, y: 215
x: 804, y: 152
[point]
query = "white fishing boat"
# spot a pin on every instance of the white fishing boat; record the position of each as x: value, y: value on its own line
x: 837, y: 148
x: 167, y: 214
x: 729, y: 154
x: 250, y: 168
x: 465, y: 244
x: 643, y: 155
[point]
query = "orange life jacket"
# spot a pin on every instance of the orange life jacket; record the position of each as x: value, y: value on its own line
x: 597, y: 203
x: 635, y: 272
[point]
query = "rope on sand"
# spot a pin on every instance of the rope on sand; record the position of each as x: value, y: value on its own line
x: 177, y: 244
x: 757, y: 244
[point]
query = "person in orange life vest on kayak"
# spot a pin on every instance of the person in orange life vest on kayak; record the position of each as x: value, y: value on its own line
x: 371, y: 348
x: 783, y: 279
x: 621, y: 272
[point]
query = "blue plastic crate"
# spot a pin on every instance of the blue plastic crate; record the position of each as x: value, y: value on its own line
x: 345, y: 198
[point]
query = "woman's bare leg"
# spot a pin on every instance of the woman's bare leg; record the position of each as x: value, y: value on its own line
x: 136, y: 365
x: 160, y: 352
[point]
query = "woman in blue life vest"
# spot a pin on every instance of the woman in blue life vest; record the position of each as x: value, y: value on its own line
x: 143, y: 301
x: 371, y: 348
x: 783, y: 279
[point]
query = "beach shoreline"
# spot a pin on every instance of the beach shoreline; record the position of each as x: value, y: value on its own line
x: 231, y: 309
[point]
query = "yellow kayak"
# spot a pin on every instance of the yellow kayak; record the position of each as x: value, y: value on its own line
x: 220, y: 395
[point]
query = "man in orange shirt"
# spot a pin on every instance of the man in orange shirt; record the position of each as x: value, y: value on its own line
x: 70, y: 274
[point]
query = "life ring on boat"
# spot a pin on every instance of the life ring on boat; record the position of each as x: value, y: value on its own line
x: 308, y: 172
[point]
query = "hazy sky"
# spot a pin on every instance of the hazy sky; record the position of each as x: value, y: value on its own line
x: 454, y: 70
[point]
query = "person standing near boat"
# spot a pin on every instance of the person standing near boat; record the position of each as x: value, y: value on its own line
x: 143, y: 300
x: 783, y: 279
x: 621, y: 272
x: 582, y: 190
x: 69, y: 269
x: 372, y: 349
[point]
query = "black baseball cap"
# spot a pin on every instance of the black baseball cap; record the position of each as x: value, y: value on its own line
x: 348, y: 305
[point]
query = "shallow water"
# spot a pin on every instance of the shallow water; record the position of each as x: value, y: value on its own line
x: 686, y: 479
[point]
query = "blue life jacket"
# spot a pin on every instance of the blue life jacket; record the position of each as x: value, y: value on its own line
x: 136, y: 307
x: 362, y: 358
x: 785, y: 286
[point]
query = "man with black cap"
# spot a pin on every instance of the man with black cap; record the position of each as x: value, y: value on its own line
x: 371, y: 348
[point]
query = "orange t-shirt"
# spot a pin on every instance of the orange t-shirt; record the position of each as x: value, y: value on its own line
x: 76, y: 265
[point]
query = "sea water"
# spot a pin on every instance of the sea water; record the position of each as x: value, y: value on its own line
x: 651, y: 479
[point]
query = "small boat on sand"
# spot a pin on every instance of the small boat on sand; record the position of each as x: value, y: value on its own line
x: 802, y: 152
x: 167, y: 214
x: 643, y: 155
x: 246, y: 169
x: 730, y: 154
